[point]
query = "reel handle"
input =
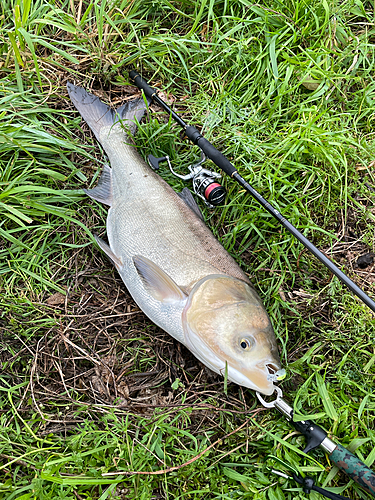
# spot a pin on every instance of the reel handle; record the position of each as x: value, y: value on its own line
x: 354, y: 468
x: 192, y: 133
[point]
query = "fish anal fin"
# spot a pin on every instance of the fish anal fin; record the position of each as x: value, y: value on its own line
x: 117, y: 262
x: 103, y: 191
x: 157, y: 282
x: 190, y: 202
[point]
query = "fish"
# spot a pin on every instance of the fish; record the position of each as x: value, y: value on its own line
x: 177, y: 272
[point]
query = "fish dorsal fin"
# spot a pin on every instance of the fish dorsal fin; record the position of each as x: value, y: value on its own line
x: 157, y: 282
x: 130, y: 113
x: 103, y: 191
x: 116, y: 261
x: 97, y: 114
x: 190, y: 202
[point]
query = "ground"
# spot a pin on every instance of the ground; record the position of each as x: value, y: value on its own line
x: 96, y: 401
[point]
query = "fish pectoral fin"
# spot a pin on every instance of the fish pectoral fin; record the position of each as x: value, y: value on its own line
x: 103, y: 191
x: 116, y: 261
x: 190, y: 202
x: 157, y: 282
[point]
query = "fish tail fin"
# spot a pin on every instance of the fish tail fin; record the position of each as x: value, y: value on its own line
x: 97, y: 114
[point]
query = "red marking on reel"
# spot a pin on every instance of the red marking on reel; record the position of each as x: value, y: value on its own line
x: 210, y: 188
x: 214, y: 193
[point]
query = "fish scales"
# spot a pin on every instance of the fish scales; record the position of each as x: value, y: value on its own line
x: 171, y: 232
x: 174, y: 268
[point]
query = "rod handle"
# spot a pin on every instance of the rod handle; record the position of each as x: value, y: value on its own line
x: 142, y: 84
x: 210, y: 151
x: 354, y: 467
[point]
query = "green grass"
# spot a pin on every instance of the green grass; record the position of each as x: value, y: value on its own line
x: 286, y: 91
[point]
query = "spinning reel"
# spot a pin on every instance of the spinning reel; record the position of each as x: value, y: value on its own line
x: 205, y: 184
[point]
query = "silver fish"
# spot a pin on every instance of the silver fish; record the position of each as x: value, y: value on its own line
x: 173, y: 266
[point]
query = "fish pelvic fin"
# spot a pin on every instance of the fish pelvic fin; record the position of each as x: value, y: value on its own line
x: 97, y: 114
x: 116, y: 261
x: 157, y: 282
x: 103, y: 191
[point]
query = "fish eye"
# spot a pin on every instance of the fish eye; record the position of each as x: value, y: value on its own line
x: 246, y: 344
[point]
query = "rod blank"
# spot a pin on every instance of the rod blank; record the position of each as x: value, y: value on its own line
x: 224, y: 164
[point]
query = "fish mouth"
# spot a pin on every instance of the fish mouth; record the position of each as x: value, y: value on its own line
x: 257, y: 378
x: 260, y: 378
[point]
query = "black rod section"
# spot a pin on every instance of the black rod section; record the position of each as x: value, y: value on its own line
x: 307, y: 243
x: 151, y: 94
x: 222, y: 162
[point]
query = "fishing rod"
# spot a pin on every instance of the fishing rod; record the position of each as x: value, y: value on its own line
x: 206, y: 186
x: 224, y: 164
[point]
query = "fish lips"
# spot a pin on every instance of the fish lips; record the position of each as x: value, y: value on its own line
x: 258, y: 376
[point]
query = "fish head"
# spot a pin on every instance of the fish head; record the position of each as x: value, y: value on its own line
x: 227, y: 327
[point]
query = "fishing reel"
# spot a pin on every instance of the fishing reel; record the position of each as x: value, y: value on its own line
x: 205, y: 183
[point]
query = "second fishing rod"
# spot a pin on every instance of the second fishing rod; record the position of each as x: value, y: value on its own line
x: 226, y: 166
